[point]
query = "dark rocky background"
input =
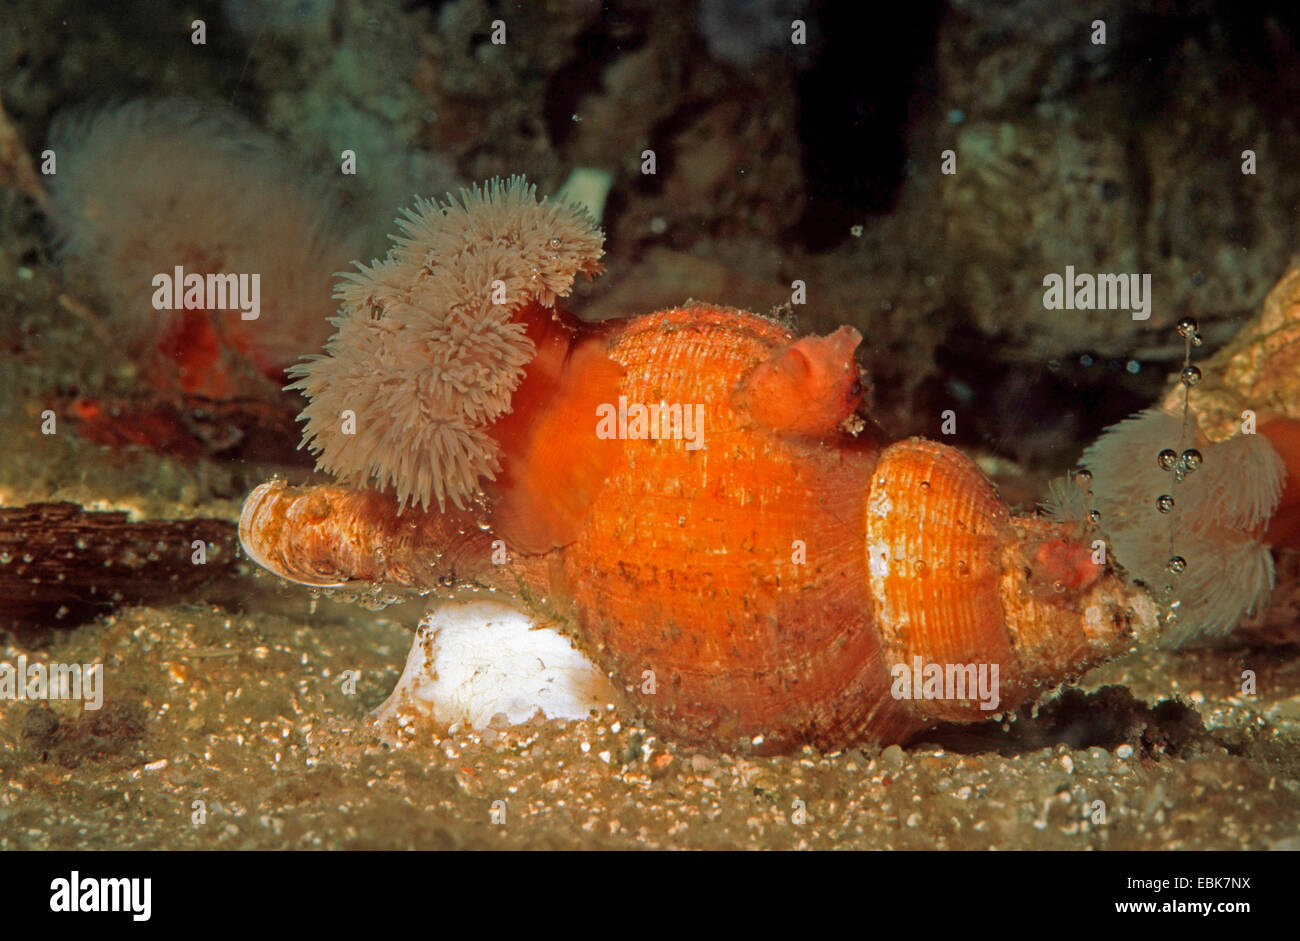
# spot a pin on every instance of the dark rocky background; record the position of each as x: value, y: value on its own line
x: 776, y: 163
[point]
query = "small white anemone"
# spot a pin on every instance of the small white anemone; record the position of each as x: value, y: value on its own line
x: 148, y: 185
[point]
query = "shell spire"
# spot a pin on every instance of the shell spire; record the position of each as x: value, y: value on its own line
x: 428, y: 349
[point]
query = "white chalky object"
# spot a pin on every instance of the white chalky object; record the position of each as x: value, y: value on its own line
x: 473, y: 661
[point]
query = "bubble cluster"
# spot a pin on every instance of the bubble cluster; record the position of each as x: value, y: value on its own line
x: 1180, y: 464
x: 1190, y: 460
x: 1189, y: 330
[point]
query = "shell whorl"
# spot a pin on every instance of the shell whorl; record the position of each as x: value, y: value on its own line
x: 727, y: 572
x: 959, y: 583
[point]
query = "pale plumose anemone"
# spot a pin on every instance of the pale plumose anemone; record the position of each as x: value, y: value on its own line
x: 148, y: 185
x: 426, y: 355
x: 1216, y: 525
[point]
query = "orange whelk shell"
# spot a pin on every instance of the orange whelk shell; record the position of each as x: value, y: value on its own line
x: 683, y: 566
x: 749, y: 570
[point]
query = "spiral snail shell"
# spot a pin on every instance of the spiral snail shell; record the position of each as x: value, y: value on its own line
x: 773, y: 579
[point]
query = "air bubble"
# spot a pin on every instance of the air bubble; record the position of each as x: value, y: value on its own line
x: 1094, y: 516
x: 1190, y: 376
x: 1188, y: 327
x: 1177, y: 565
x: 1165, y: 503
x: 1083, y: 476
x: 1167, y: 459
x: 1191, y: 460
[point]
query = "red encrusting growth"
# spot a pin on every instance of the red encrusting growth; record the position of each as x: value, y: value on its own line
x: 157, y: 427
x: 193, y: 357
x: 1065, y: 564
